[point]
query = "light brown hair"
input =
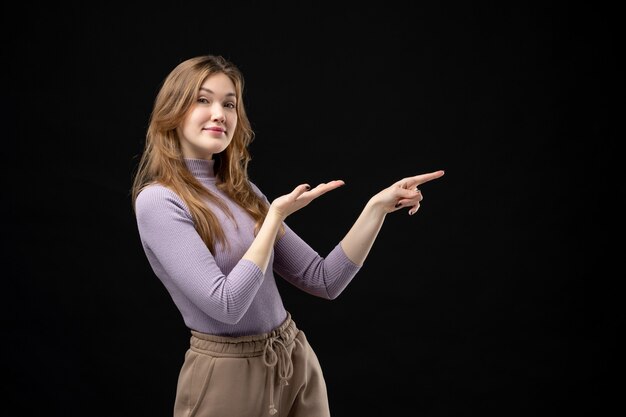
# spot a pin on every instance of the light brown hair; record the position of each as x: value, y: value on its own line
x: 162, y: 160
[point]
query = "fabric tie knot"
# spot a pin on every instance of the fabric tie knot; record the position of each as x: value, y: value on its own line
x: 277, y: 355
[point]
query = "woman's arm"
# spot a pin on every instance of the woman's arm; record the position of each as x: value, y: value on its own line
x: 189, y: 270
x: 181, y: 259
x: 360, y: 238
x: 260, y: 250
x: 404, y: 193
x: 327, y: 277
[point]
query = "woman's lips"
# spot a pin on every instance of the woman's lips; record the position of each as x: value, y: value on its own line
x: 215, y: 131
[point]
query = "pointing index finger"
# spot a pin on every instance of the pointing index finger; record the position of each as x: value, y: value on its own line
x: 423, y: 178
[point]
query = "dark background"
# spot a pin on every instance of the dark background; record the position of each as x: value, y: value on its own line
x: 498, y: 298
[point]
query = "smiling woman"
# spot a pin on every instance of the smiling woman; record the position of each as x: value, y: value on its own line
x: 210, y: 124
x: 215, y: 240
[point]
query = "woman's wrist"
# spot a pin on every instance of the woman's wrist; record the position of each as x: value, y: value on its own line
x: 375, y: 208
x: 274, y: 214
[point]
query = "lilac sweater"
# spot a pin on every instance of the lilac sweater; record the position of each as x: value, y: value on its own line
x: 220, y: 293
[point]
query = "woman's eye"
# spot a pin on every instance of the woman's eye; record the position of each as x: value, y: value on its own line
x: 230, y: 105
x: 203, y: 100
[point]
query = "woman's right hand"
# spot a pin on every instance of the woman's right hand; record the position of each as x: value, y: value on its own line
x: 300, y: 197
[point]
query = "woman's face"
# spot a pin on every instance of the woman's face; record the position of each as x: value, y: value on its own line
x: 210, y: 123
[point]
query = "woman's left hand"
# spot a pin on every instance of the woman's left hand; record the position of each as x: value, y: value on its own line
x: 404, y: 193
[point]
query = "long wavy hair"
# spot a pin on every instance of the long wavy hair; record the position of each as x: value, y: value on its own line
x: 162, y: 160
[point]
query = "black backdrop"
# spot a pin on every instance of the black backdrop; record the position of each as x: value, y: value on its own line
x: 497, y: 298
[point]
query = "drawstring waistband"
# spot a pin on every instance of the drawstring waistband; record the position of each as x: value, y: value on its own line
x: 273, y: 346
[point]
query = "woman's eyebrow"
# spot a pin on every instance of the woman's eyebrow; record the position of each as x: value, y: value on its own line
x: 209, y: 91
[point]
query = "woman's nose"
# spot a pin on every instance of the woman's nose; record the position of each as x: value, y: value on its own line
x: 218, y: 114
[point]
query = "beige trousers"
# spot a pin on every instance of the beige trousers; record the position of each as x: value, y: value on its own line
x: 274, y: 374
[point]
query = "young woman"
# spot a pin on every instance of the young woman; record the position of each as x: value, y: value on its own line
x: 215, y: 241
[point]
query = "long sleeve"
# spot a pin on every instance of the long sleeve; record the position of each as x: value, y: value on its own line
x: 182, y: 261
x: 302, y: 266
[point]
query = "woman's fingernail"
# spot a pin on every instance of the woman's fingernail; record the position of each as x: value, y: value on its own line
x: 308, y: 187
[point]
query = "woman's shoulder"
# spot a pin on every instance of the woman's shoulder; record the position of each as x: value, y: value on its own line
x: 258, y: 191
x: 156, y: 195
x: 154, y: 190
x: 255, y: 187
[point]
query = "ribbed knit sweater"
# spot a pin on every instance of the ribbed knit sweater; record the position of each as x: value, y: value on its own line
x: 220, y: 293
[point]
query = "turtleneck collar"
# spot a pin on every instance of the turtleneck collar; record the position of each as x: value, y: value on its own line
x: 201, y: 168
